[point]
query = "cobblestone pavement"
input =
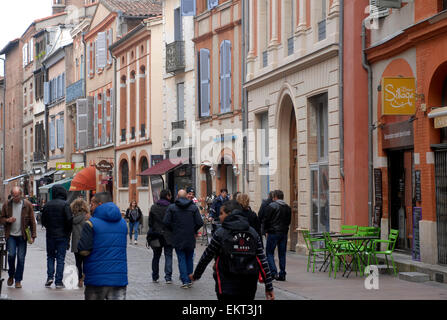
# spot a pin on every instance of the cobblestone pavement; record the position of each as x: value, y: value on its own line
x: 140, y: 285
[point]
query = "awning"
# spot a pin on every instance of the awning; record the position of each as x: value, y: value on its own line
x: 84, y: 180
x: 440, y: 117
x: 49, y: 173
x: 14, y: 178
x: 164, y: 167
x: 64, y: 182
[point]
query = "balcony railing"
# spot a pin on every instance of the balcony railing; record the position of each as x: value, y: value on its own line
x: 175, y: 57
x: 75, y: 91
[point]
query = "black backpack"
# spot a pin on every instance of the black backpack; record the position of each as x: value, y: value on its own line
x: 238, y: 253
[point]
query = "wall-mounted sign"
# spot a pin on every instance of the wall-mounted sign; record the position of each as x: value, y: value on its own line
x: 398, y: 96
x: 378, y: 186
x: 104, y: 166
x: 417, y: 187
x: 398, y: 135
x: 65, y: 166
x: 417, y: 216
x: 439, y: 121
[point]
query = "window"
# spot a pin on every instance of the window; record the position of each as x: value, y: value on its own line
x: 60, y: 133
x: 188, y: 7
x: 177, y: 25
x: 25, y: 104
x: 225, y: 76
x: 263, y: 144
x: 322, y: 23
x: 212, y: 4
x: 124, y: 174
x: 52, y: 135
x: 31, y: 93
x: 143, y: 166
x: 444, y: 5
x: 123, y: 108
x: 204, y: 82
x: 143, y: 100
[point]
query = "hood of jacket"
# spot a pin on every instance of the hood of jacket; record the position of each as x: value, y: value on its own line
x: 108, y: 212
x: 236, y: 221
x: 163, y: 202
x: 183, y: 203
x: 281, y: 202
x: 59, y: 192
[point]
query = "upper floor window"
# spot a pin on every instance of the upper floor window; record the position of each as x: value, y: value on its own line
x: 225, y: 76
x: 188, y: 7
x: 204, y: 83
x: 212, y: 4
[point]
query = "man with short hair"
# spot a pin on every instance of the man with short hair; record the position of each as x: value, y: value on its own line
x: 215, y: 207
x: 57, y: 219
x: 276, y: 221
x: 184, y: 220
x: 17, y: 214
x: 104, y: 243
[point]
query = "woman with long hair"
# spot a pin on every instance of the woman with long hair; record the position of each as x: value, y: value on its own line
x: 81, y: 213
x: 253, y: 220
x: 135, y: 217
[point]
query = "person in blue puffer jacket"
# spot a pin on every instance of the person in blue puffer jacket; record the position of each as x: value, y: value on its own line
x: 104, y: 243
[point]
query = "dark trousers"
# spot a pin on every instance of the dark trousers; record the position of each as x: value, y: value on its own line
x: 276, y: 240
x: 168, y: 262
x: 237, y: 297
x: 79, y: 264
x: 16, y: 247
x: 56, y: 249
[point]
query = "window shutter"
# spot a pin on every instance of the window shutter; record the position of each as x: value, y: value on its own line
x: 177, y: 25
x: 62, y: 132
x: 205, y: 82
x: 63, y: 85
x: 376, y: 11
x: 228, y: 75
x: 81, y: 123
x: 46, y: 93
x: 95, y: 45
x: 25, y: 54
x: 111, y: 115
x: 101, y: 50
x: 225, y: 76
x: 52, y: 144
x: 222, y: 77
x: 110, y: 42
x: 95, y: 121
x: 104, y: 119
x: 59, y: 86
x: 88, y: 59
x: 188, y: 7
x: 31, y: 50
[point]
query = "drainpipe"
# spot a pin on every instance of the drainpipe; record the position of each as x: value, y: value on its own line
x: 368, y: 68
x: 4, y: 123
x: 341, y: 100
x: 84, y: 155
x: 114, y: 119
x: 244, y: 137
x: 47, y: 152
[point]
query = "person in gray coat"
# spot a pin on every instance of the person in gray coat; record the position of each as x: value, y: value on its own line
x: 81, y: 213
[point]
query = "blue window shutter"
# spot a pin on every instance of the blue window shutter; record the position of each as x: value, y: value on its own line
x: 95, y: 121
x: 212, y: 4
x: 46, y: 93
x: 104, y: 119
x: 222, y: 77
x: 63, y: 85
x: 62, y: 132
x: 204, y: 82
x: 88, y: 59
x: 228, y: 75
x: 110, y: 42
x: 111, y: 115
x: 52, y: 146
x: 188, y: 7
x: 59, y: 86
x: 101, y: 50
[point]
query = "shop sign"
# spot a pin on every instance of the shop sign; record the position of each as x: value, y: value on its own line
x: 398, y: 96
x: 441, y: 121
x: 417, y: 216
x: 65, y: 166
x: 398, y: 135
x: 104, y: 166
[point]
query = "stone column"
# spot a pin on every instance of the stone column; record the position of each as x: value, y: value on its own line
x: 302, y: 16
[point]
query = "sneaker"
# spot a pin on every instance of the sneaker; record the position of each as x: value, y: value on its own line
x: 18, y: 285
x: 60, y: 286
x: 168, y: 281
x: 10, y: 281
x: 186, y: 286
x: 281, y: 278
x: 135, y: 242
x: 190, y: 285
x: 48, y: 283
x: 155, y: 281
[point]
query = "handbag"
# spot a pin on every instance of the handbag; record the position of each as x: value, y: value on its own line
x: 28, y: 235
x: 155, y: 243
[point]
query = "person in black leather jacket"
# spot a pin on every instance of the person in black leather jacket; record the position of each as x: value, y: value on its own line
x: 57, y: 219
x: 276, y: 221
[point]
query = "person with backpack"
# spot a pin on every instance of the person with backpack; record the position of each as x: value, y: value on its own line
x: 135, y: 217
x: 239, y: 258
x: 276, y: 220
x: 158, y: 231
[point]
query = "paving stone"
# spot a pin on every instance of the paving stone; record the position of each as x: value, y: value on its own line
x: 414, y: 276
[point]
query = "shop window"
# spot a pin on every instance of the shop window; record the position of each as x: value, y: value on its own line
x: 124, y: 174
x: 143, y: 166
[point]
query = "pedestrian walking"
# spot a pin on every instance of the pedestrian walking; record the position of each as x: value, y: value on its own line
x: 215, y: 207
x: 135, y: 218
x: 103, y: 243
x: 276, y: 222
x: 58, y: 222
x: 81, y: 213
x: 184, y: 220
x: 17, y: 216
x: 239, y: 258
x: 157, y: 230
x: 253, y: 220
x: 261, y: 211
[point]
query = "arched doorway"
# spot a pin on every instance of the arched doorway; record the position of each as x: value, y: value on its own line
x: 288, y: 162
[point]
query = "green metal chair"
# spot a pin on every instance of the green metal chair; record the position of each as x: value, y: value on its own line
x: 348, y: 229
x: 313, y: 251
x: 338, y: 251
x: 391, y: 244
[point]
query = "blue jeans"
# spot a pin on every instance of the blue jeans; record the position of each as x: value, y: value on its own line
x: 280, y: 241
x: 156, y: 262
x: 56, y: 249
x: 185, y: 264
x: 16, y: 247
x: 133, y: 226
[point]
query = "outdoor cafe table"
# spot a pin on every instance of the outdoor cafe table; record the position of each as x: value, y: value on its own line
x: 332, y: 235
x: 356, y: 244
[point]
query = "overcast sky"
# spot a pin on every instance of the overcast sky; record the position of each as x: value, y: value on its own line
x: 17, y: 15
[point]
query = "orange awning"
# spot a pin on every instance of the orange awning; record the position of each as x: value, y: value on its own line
x: 84, y: 180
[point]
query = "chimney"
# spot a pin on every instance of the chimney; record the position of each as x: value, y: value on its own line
x: 58, y: 6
